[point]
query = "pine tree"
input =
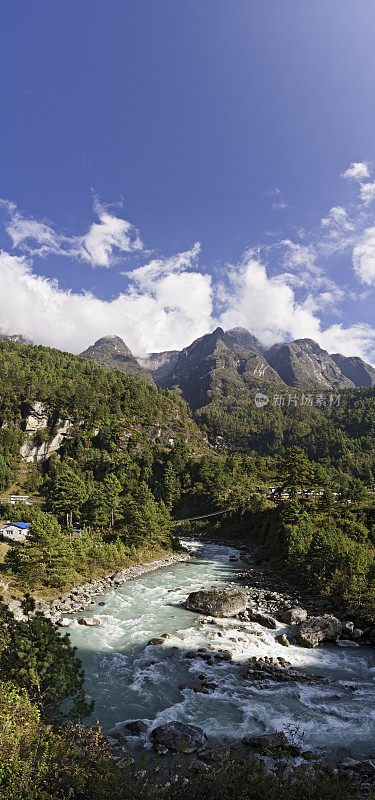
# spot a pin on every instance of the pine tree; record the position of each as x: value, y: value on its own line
x: 35, y: 656
x: 66, y: 493
x: 46, y: 557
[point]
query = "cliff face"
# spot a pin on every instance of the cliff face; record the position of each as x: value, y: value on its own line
x: 159, y: 364
x: 242, y: 339
x: 304, y: 363
x: 15, y: 337
x: 355, y: 369
x: 38, y: 418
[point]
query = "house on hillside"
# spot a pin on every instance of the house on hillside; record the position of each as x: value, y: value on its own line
x: 21, y: 499
x: 15, y: 531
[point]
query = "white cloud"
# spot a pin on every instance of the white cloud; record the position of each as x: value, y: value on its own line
x: 169, y: 301
x: 111, y: 233
x: 268, y: 307
x: 160, y: 267
x: 357, y: 171
x: 337, y: 218
x: 364, y: 257
x: 99, y: 246
x: 367, y: 192
x: 299, y: 256
x: 280, y: 205
x: 173, y: 312
x: 170, y: 312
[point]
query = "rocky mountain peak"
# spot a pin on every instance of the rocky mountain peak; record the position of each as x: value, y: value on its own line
x: 240, y: 338
x: 115, y: 343
x: 304, y: 363
x: 112, y: 352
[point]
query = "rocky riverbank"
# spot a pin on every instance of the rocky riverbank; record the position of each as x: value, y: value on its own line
x: 273, y: 595
x: 81, y: 597
x: 181, y: 751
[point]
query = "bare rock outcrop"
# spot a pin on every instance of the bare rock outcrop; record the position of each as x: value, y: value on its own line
x: 34, y: 452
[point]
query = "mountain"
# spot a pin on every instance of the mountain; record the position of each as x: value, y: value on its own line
x: 355, y: 369
x: 229, y: 364
x: 15, y: 337
x: 242, y: 339
x: 303, y: 363
x: 217, y: 364
x: 112, y: 352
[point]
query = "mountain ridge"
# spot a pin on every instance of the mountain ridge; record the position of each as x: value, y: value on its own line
x: 218, y: 360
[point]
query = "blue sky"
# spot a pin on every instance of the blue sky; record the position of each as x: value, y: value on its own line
x: 170, y: 166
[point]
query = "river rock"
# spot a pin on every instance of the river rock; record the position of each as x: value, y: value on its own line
x: 283, y: 639
x: 89, y: 621
x: 263, y: 619
x: 217, y: 602
x: 348, y: 627
x: 294, y: 616
x: 347, y: 643
x: 156, y: 641
x: 64, y: 622
x: 318, y: 629
x: 136, y: 727
x: 280, y: 671
x: 176, y: 735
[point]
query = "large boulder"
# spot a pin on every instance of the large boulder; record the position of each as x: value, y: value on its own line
x: 318, y: 629
x: 294, y: 616
x: 177, y: 735
x: 137, y: 726
x: 263, y: 619
x: 64, y: 622
x: 217, y: 602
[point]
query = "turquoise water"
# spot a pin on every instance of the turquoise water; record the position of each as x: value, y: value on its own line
x: 130, y: 680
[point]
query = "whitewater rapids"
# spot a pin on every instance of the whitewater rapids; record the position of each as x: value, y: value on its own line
x: 130, y: 680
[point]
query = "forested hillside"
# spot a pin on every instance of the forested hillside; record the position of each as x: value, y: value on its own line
x: 336, y: 429
x: 132, y: 460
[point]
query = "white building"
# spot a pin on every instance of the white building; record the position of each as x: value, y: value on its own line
x: 23, y: 499
x: 15, y: 531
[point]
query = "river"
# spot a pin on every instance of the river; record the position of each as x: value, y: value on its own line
x: 130, y: 680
